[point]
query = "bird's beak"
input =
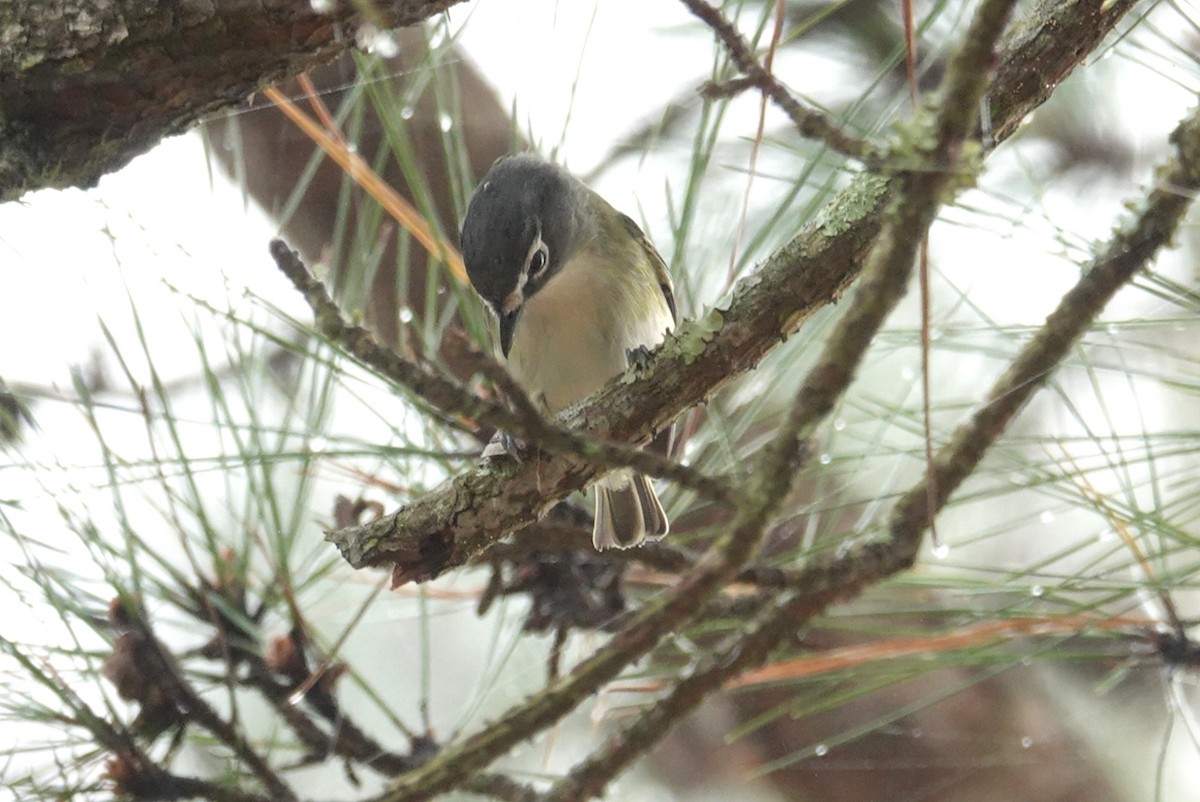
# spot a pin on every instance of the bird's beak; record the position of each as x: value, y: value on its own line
x: 508, y: 325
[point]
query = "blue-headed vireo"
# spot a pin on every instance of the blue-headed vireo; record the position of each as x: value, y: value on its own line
x: 577, y: 291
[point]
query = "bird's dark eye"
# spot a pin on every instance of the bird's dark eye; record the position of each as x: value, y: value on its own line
x: 537, y: 262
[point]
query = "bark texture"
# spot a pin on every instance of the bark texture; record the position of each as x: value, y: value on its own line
x: 86, y: 85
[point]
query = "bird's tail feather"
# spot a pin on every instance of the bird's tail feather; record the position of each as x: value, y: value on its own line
x: 627, y: 512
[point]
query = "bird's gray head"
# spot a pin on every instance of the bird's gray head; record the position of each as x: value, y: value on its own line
x: 523, y: 224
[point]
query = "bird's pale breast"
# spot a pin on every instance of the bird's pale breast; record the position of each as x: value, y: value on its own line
x: 572, y: 336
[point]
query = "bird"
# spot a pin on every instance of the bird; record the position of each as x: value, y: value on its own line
x: 578, y: 293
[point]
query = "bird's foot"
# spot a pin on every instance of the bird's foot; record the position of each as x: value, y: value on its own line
x: 638, y: 359
x: 504, y: 444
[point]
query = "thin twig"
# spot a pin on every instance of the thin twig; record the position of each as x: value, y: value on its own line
x: 497, y: 786
x: 809, y: 121
x: 198, y: 711
x: 1120, y: 526
x: 159, y: 784
x: 714, y: 90
x: 910, y: 69
x: 755, y: 148
x: 347, y: 739
x: 130, y: 766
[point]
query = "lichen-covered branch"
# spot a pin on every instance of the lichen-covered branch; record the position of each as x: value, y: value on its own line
x: 448, y: 397
x: 1131, y: 249
x: 468, y: 513
x: 828, y: 578
x: 885, y: 279
x: 668, y: 612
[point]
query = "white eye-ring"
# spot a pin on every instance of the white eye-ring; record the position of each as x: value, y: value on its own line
x: 539, y: 258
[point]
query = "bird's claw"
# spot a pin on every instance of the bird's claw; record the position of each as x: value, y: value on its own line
x: 638, y: 359
x: 504, y: 444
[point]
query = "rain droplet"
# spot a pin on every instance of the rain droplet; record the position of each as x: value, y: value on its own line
x: 384, y: 45
x: 406, y: 315
x: 839, y: 425
x: 1026, y: 742
x: 941, y: 551
x: 1037, y: 591
x: 820, y: 750
x: 1113, y: 329
x: 321, y: 6
x: 445, y: 121
x: 908, y: 374
x: 317, y: 444
x: 407, y: 112
x: 1047, y: 517
x: 825, y: 459
x: 1107, y: 535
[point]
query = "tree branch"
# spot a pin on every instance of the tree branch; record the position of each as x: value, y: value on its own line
x: 885, y: 279
x: 670, y: 611
x: 448, y: 526
x: 166, y: 672
x: 828, y: 578
x: 887, y: 271
x: 1131, y: 249
x: 85, y: 86
x: 448, y: 397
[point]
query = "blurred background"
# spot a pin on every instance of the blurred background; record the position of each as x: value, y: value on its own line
x: 173, y: 431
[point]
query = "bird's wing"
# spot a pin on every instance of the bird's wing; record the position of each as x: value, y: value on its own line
x: 660, y: 267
